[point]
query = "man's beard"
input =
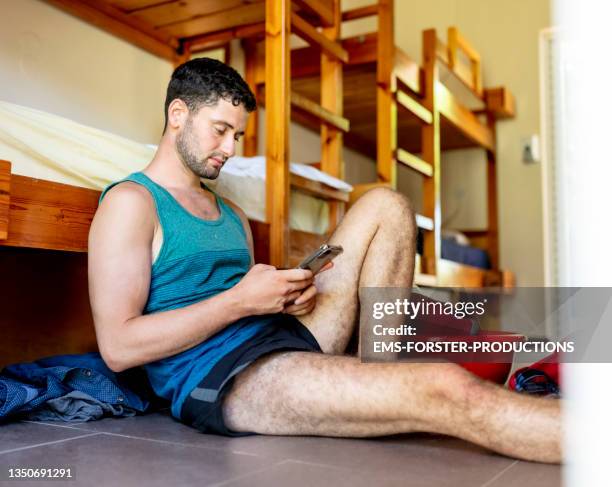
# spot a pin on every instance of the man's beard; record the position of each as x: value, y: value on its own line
x: 185, y: 146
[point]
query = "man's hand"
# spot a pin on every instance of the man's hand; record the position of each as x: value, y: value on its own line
x: 264, y: 289
x: 307, y: 300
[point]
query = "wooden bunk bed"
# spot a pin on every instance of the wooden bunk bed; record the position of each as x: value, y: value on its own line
x: 41, y: 214
x: 434, y: 119
x: 417, y: 114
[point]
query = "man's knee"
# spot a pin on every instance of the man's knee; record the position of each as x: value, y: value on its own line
x: 452, y: 392
x: 389, y: 205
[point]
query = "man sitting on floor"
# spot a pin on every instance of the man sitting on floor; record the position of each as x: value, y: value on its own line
x: 236, y: 347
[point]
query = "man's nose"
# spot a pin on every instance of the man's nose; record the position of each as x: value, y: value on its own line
x: 229, y: 145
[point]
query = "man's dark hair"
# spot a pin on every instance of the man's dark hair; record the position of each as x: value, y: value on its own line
x: 203, y: 81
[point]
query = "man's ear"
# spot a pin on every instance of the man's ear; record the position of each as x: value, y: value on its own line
x: 177, y: 113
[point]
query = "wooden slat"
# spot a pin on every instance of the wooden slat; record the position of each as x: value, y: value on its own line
x: 492, y: 218
x: 225, y: 19
x: 407, y: 71
x: 413, y: 106
x: 278, y: 70
x: 463, y: 44
x: 209, y: 41
x: 441, y: 51
x: 138, y: 24
x: 131, y: 5
x: 313, y: 36
x: 331, y: 99
x: 470, y: 76
x: 477, y: 78
x: 360, y: 13
x: 361, y: 50
x: 321, y: 9
x: 414, y: 162
x: 462, y: 118
x: 5, y: 197
x: 49, y: 215
x: 166, y: 12
x: 318, y: 189
x: 308, y: 113
x: 430, y: 136
x: 121, y: 29
x: 386, y: 107
x: 314, y: 109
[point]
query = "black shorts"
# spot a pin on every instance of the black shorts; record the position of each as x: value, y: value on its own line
x: 203, y: 407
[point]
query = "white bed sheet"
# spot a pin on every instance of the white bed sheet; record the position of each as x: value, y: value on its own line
x: 46, y: 146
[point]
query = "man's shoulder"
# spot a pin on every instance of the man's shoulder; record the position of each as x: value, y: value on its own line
x: 127, y: 195
x: 127, y: 203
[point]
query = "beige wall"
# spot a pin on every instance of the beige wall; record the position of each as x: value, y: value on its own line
x: 54, y: 62
x: 506, y: 35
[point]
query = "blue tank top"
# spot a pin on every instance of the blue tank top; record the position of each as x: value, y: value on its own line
x: 198, y: 259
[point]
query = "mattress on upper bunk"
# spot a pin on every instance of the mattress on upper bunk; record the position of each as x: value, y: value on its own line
x: 45, y: 146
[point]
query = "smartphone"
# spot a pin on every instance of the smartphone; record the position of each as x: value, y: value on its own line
x: 323, y: 255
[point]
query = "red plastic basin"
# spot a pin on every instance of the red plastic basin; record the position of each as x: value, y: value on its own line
x: 491, y: 366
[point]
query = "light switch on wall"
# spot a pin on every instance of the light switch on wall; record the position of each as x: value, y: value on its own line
x: 531, y: 149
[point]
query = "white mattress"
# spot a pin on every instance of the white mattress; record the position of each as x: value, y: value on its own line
x: 46, y: 146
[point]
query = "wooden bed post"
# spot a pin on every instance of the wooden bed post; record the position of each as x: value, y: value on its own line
x: 386, y: 108
x: 5, y: 198
x: 250, y: 74
x: 492, y: 225
x: 278, y: 71
x: 431, y: 153
x: 332, y: 100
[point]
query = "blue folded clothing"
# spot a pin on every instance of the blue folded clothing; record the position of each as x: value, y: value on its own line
x: 73, y: 388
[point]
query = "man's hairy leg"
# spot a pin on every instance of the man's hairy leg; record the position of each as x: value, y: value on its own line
x: 296, y: 393
x: 378, y: 235
x: 313, y: 394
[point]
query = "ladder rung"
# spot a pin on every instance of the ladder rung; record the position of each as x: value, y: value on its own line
x: 414, y: 162
x: 313, y: 36
x: 413, y: 106
x: 360, y: 13
x: 318, y: 189
x: 314, y: 109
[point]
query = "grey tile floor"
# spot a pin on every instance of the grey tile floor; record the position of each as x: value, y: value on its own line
x: 156, y: 450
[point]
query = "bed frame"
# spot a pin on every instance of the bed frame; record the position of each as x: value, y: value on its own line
x: 412, y: 106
